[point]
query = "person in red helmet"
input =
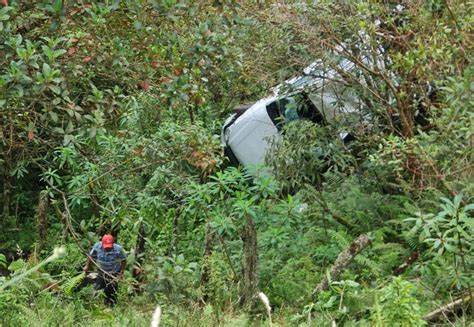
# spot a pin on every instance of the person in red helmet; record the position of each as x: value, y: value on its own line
x: 110, y: 260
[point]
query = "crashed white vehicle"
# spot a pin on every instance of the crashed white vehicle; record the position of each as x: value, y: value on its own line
x: 322, y: 95
x: 248, y: 135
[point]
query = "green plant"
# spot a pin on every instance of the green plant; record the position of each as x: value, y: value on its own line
x: 396, y: 305
x: 113, y: 108
x: 449, y: 235
x: 69, y: 286
x: 3, y: 261
x: 174, y: 277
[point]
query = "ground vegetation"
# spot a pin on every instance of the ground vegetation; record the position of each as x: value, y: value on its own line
x: 110, y: 115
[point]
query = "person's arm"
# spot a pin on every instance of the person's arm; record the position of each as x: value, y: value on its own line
x: 87, y: 265
x: 122, y: 268
x: 92, y: 254
x: 123, y: 263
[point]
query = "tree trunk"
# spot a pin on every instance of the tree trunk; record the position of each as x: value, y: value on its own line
x: 174, y: 233
x: 406, y: 118
x: 250, y: 269
x: 343, y: 259
x: 6, y: 197
x: 208, y: 240
x: 42, y: 220
x: 191, y: 114
x: 6, y: 186
x: 139, y: 251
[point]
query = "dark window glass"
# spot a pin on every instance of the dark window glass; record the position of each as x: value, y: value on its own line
x: 307, y: 110
x: 291, y: 108
x: 273, y: 112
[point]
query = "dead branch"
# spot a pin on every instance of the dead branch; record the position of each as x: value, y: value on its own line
x: 250, y: 266
x: 343, y: 260
x: 208, y: 249
x: 227, y: 255
x: 447, y: 308
x: 401, y: 269
x: 42, y: 222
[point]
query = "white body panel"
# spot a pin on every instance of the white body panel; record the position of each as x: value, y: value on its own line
x: 249, y: 136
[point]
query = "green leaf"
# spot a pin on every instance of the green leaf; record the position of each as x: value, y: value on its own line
x: 457, y: 200
x: 469, y: 222
x: 72, y: 283
x: 92, y: 132
x: 46, y: 69
x: 3, y: 261
x: 59, y: 130
x: 137, y: 24
x: 16, y: 265
x: 58, y: 53
x: 450, y: 248
x: 56, y: 89
x: 54, y: 116
x: 20, y: 90
x: 469, y: 207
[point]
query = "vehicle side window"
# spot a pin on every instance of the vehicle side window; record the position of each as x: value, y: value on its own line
x: 289, y: 109
x: 274, y: 114
x: 292, y: 108
x: 281, y: 111
x: 307, y: 110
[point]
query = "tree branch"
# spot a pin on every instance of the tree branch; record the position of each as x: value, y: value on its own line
x: 447, y: 308
x: 343, y: 260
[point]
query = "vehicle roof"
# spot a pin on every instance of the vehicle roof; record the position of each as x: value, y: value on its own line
x: 313, y: 76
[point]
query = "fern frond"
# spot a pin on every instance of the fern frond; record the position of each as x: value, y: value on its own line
x: 396, y: 247
x: 340, y: 238
x: 368, y: 263
x: 334, y: 179
x: 413, y: 242
x: 72, y: 283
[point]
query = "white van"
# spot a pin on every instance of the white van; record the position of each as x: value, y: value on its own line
x: 319, y: 95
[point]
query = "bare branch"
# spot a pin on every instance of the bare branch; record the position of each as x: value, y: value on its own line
x: 445, y: 309
x: 343, y: 260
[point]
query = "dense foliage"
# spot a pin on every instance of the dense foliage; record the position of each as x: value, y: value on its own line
x: 110, y: 115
